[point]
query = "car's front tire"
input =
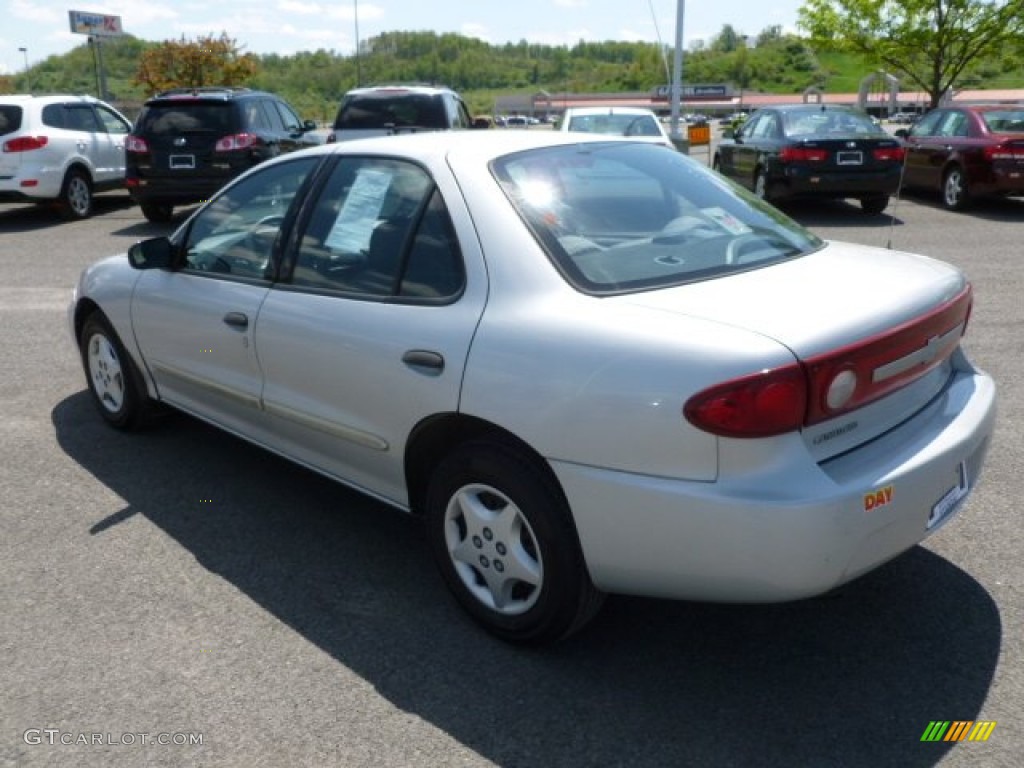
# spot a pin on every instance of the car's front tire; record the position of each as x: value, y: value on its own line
x: 503, y: 537
x: 954, y: 189
x: 76, y: 196
x: 114, y: 382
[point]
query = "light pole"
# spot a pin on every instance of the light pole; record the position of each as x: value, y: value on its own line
x: 28, y: 84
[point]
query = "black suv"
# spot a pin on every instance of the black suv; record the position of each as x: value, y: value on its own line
x: 390, y: 109
x: 188, y: 142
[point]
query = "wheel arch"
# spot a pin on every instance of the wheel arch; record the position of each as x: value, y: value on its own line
x: 436, y: 436
x: 84, y: 309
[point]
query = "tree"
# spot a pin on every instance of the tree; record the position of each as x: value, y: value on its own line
x: 183, y: 63
x: 931, y: 42
x: 728, y: 40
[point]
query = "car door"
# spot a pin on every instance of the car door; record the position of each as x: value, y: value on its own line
x: 294, y: 135
x: 110, y: 152
x: 928, y: 147
x: 195, y: 325
x: 747, y: 151
x: 371, y: 333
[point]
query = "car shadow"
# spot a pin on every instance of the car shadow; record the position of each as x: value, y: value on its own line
x: 851, y: 679
x: 839, y: 213
x: 31, y: 217
x: 997, y: 209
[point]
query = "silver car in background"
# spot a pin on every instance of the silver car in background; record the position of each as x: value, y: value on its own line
x: 591, y: 365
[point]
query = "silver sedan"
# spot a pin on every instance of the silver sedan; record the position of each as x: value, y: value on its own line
x: 590, y: 364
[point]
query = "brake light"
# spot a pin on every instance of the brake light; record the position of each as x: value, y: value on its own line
x: 236, y: 141
x: 887, y: 154
x: 136, y: 144
x: 760, y: 405
x: 26, y: 143
x: 803, y: 155
x: 824, y: 387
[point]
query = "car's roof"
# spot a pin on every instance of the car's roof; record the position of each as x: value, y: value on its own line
x: 811, y: 108
x: 399, y: 88
x: 608, y: 111
x: 479, y: 145
x: 47, y: 98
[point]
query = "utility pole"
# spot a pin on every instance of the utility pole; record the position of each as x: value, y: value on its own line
x: 682, y: 142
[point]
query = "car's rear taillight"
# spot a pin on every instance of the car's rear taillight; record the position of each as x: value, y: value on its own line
x: 889, y: 154
x: 803, y: 155
x: 826, y: 386
x: 25, y: 143
x: 136, y: 144
x: 236, y: 141
x: 760, y: 405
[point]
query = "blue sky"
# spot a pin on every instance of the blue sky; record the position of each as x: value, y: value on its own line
x: 288, y: 26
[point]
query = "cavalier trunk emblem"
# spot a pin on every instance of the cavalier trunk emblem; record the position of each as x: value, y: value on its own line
x: 181, y: 141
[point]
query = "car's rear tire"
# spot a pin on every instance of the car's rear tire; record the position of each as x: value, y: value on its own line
x: 76, y: 196
x: 874, y: 205
x: 115, y: 383
x: 503, y: 537
x: 158, y: 213
x: 955, y: 196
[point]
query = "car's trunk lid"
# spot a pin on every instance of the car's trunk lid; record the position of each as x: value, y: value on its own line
x: 897, y: 315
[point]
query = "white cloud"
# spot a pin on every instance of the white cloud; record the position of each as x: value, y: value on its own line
x: 473, y: 29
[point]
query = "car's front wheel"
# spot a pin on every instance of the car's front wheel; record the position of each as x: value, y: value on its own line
x: 503, y: 538
x: 114, y: 382
x: 76, y: 196
x: 954, y: 189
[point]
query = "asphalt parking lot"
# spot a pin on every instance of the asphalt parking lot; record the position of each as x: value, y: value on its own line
x: 179, y: 598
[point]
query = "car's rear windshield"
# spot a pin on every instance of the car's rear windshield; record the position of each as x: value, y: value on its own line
x: 391, y: 109
x: 174, y: 118
x: 616, y: 124
x: 620, y: 217
x: 818, y: 122
x: 10, y: 118
x: 1004, y: 120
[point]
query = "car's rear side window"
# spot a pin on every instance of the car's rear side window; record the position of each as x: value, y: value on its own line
x: 380, y: 229
x: 10, y: 118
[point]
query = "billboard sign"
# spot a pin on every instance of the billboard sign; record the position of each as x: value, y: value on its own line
x: 97, y: 24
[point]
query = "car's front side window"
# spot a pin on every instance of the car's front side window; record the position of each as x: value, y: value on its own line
x: 616, y: 218
x: 112, y: 122
x: 927, y: 125
x: 235, y: 235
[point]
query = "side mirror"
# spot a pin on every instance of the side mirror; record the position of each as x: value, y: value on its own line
x: 309, y: 125
x: 901, y: 133
x: 728, y: 133
x: 481, y: 122
x: 155, y: 253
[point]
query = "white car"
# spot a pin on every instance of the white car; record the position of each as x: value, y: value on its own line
x: 60, y: 149
x: 633, y: 122
x: 591, y: 365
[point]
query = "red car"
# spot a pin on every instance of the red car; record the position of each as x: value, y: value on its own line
x: 967, y: 152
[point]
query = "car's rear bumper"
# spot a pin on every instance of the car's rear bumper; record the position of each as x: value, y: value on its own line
x: 809, y: 182
x: 793, y: 533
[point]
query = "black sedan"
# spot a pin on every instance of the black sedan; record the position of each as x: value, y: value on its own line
x: 815, y: 151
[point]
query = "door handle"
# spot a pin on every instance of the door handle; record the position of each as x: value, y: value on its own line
x: 236, y: 320
x: 424, y: 360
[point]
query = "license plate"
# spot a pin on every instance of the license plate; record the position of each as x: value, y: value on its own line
x: 850, y: 158
x: 183, y: 161
x: 951, y: 498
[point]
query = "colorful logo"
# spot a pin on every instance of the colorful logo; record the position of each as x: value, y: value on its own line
x: 958, y: 730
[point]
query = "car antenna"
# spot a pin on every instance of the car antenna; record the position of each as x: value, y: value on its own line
x: 899, y: 191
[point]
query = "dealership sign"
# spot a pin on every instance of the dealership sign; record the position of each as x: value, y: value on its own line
x: 98, y: 24
x: 712, y: 91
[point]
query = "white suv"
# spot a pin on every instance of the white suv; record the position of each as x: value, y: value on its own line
x: 60, y: 149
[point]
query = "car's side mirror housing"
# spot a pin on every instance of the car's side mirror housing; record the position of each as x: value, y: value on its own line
x: 155, y: 253
x: 481, y: 123
x: 309, y: 125
x: 901, y: 133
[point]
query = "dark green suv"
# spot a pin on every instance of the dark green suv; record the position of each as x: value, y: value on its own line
x: 188, y: 142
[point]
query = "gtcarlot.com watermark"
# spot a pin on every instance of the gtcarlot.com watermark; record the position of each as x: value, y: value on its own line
x: 56, y: 737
